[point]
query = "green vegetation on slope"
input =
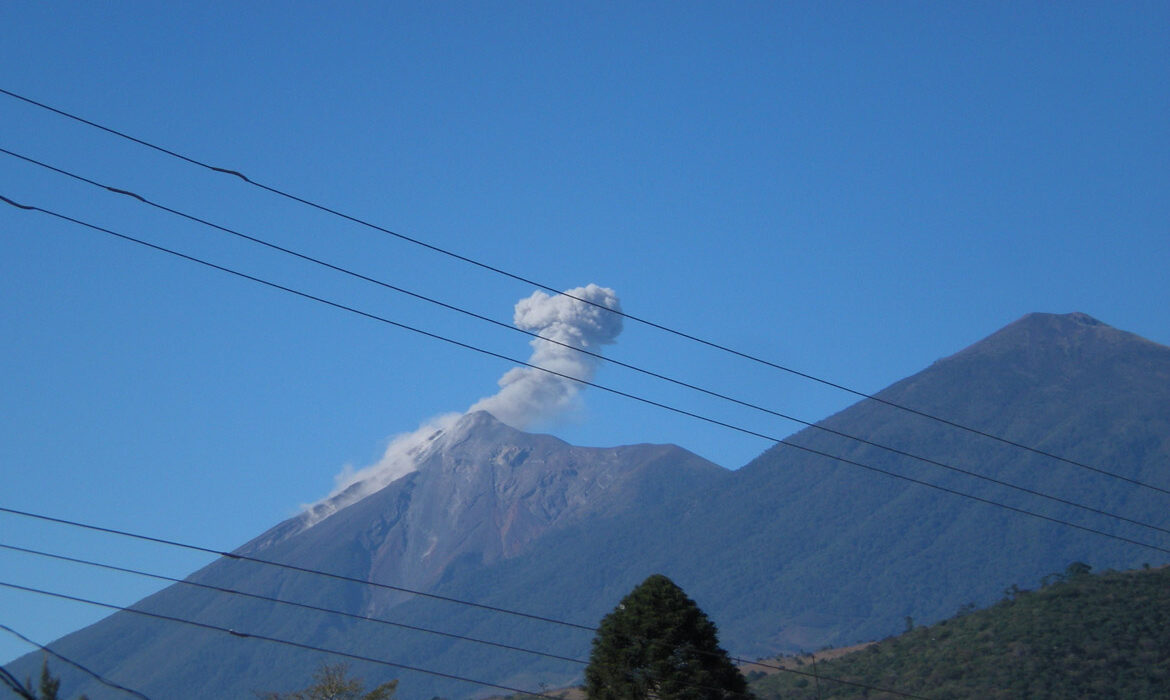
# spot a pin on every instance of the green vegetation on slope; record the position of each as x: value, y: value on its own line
x: 1086, y: 636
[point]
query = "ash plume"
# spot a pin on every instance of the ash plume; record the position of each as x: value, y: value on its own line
x: 527, y: 395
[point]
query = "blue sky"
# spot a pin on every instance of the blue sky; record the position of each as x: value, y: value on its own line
x: 851, y: 189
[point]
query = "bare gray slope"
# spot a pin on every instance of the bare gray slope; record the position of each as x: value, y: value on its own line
x: 483, y: 493
x: 483, y: 490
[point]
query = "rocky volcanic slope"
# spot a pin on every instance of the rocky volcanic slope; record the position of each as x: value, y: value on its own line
x: 482, y: 493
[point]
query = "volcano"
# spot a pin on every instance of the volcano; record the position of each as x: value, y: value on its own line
x: 794, y: 550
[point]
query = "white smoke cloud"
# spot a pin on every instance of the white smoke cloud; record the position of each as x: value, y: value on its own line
x: 400, y: 458
x: 526, y: 394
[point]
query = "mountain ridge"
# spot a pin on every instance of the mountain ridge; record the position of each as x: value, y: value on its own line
x: 854, y: 526
x: 791, y: 551
x: 483, y: 472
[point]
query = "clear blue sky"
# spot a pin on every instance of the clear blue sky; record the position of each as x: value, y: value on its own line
x: 851, y: 189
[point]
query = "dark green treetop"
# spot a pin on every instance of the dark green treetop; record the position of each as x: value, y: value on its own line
x: 657, y: 643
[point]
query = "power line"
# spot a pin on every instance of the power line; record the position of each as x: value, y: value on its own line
x: 283, y: 565
x: 97, y: 676
x: 291, y: 603
x: 596, y: 355
x: 270, y: 599
x: 827, y: 455
x: 265, y: 638
x: 161, y: 541
x: 16, y: 686
x: 747, y: 357
x: 253, y: 635
x: 219, y: 589
x: 281, y: 601
x: 520, y: 278
x: 595, y: 385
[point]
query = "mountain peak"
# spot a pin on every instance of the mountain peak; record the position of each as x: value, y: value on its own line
x: 479, y: 418
x: 480, y: 423
x: 1051, y: 337
x: 1069, y: 321
x: 1083, y: 318
x: 407, y: 453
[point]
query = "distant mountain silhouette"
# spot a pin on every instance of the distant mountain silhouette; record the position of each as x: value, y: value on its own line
x: 792, y: 551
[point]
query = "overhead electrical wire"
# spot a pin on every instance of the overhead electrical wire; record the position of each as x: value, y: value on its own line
x: 601, y: 387
x: 265, y: 638
x: 375, y: 317
x: 219, y: 589
x: 15, y: 685
x: 521, y: 278
x: 253, y: 635
x: 315, y: 608
x: 631, y: 317
x: 282, y: 601
x: 289, y: 567
x: 596, y: 355
x: 96, y: 676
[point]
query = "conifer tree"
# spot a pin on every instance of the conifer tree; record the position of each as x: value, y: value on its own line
x: 658, y: 644
x: 50, y: 686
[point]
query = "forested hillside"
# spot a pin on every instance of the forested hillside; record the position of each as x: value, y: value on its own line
x: 1081, y: 636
